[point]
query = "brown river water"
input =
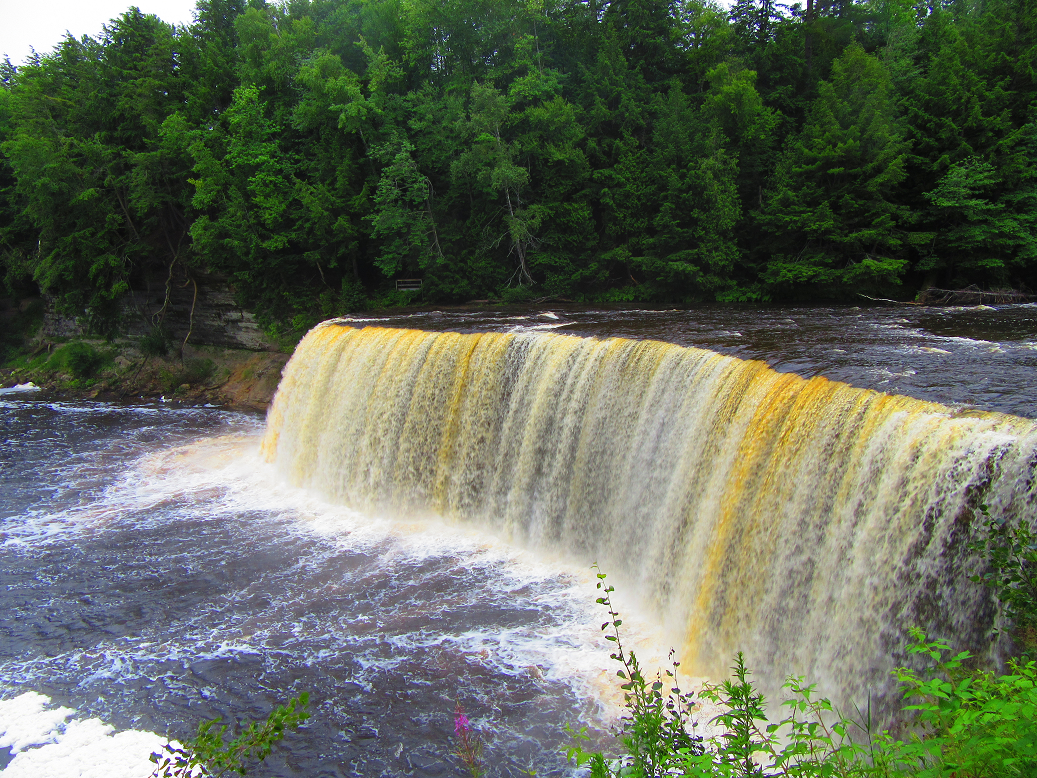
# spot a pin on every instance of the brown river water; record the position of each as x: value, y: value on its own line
x: 980, y: 356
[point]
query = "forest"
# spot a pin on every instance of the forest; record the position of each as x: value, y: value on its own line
x: 314, y: 152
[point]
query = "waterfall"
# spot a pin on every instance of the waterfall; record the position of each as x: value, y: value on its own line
x: 807, y: 523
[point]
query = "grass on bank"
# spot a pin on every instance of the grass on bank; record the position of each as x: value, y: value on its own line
x: 79, y: 365
x: 77, y: 360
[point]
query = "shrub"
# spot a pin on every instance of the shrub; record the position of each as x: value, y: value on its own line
x: 964, y: 724
x: 395, y: 298
x: 198, y: 370
x: 655, y: 729
x: 81, y: 359
x: 351, y: 298
x: 155, y: 343
x: 624, y: 294
x: 192, y: 371
x: 1011, y: 550
x: 968, y: 724
x: 514, y: 295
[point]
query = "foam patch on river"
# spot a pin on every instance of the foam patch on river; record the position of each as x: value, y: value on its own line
x: 45, y: 740
x: 569, y: 650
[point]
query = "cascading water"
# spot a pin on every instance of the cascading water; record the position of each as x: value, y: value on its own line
x: 805, y: 522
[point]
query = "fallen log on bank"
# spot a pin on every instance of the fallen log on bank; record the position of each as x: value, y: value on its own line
x: 973, y: 295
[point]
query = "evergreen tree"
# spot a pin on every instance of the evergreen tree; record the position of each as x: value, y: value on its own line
x: 831, y: 211
x: 104, y: 195
x: 606, y: 150
x: 984, y: 231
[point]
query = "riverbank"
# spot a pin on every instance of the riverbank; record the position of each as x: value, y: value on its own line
x: 240, y: 379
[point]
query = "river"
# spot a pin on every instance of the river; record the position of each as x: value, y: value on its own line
x: 158, y: 569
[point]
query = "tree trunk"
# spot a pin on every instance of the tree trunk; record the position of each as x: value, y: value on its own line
x: 517, y: 244
x: 807, y: 52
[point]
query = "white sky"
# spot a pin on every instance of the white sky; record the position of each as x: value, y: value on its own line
x: 42, y: 23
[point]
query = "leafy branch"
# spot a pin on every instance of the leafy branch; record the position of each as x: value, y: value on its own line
x: 655, y: 732
x: 1011, y: 551
x: 208, y: 755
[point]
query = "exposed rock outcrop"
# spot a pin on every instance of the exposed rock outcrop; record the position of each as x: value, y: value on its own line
x: 202, y: 305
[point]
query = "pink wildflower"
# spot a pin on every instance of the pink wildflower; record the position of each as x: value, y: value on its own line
x: 461, y: 722
x: 469, y: 744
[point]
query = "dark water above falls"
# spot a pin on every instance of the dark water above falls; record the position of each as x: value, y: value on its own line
x: 981, y: 356
x: 157, y: 570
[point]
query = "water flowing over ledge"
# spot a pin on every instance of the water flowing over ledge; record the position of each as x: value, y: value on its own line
x: 805, y: 522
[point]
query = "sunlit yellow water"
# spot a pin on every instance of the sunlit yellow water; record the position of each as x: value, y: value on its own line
x: 805, y: 522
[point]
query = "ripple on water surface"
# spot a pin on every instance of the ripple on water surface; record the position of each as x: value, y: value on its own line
x: 154, y: 574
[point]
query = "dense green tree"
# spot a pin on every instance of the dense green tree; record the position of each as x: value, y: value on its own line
x: 982, y: 231
x: 18, y: 237
x: 213, y: 44
x: 649, y: 35
x: 106, y: 198
x: 314, y: 151
x: 692, y: 248
x: 403, y: 215
x: 489, y: 166
x: 831, y: 211
x: 735, y: 108
x: 704, y: 37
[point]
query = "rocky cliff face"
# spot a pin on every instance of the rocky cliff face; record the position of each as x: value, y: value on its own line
x: 202, y: 306
x: 227, y: 359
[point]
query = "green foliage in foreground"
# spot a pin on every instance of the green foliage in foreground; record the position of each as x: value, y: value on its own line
x: 1012, y: 552
x: 207, y: 755
x: 655, y: 729
x: 963, y: 724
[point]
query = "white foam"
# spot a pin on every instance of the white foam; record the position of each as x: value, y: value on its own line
x: 386, y: 318
x: 572, y: 652
x: 228, y: 475
x: 538, y: 327
x: 24, y: 721
x: 45, y: 744
x: 913, y: 332
x: 960, y: 308
x: 965, y: 341
x: 887, y: 375
x: 20, y: 389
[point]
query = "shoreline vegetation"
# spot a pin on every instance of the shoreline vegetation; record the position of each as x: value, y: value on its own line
x: 956, y: 722
x: 118, y: 372
x: 158, y: 366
